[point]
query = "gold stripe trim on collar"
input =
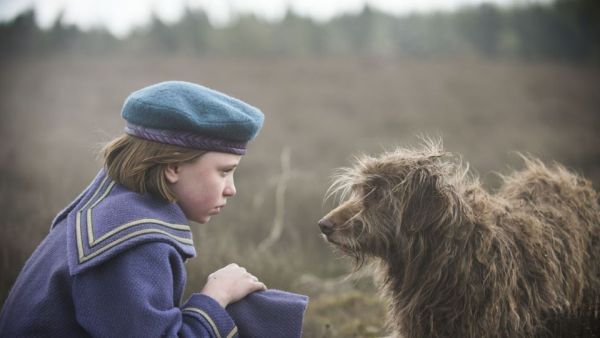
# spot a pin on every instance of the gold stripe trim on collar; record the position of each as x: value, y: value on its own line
x: 95, y: 193
x: 233, y: 332
x: 89, y: 213
x: 78, y: 216
x: 208, y: 319
x: 142, y: 221
x: 90, y: 231
x: 83, y: 258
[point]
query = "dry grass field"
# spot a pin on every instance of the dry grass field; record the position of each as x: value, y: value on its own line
x: 56, y: 112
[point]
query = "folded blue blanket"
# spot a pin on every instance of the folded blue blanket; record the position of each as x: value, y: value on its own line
x: 269, y: 314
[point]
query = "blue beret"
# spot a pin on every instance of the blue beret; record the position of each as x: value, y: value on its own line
x: 190, y: 115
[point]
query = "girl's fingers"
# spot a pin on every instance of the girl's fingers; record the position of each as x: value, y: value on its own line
x: 261, y: 286
x: 258, y: 284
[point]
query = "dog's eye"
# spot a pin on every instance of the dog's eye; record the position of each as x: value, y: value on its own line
x: 369, y: 194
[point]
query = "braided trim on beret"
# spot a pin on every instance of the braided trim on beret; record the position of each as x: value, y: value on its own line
x: 186, y: 139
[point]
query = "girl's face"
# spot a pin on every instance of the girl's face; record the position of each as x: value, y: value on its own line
x: 203, y: 186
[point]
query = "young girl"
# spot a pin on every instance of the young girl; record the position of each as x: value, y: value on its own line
x: 113, y: 262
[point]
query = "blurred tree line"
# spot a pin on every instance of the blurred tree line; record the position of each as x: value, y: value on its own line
x: 567, y: 30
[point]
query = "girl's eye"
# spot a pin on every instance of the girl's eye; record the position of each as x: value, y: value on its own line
x: 226, y: 172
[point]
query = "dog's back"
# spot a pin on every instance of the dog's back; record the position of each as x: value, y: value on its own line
x: 539, y: 187
x: 568, y: 216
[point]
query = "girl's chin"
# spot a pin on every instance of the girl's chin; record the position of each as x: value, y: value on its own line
x: 201, y: 220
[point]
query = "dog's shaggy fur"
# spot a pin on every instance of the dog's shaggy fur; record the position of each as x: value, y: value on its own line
x: 456, y: 261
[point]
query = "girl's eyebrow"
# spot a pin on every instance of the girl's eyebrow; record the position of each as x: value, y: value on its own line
x: 230, y: 166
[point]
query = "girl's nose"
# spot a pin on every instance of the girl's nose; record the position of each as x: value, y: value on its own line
x: 229, y: 189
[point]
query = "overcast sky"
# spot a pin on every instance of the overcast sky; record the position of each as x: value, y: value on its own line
x: 119, y: 16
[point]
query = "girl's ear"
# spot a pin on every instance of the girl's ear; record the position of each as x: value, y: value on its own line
x: 172, y: 173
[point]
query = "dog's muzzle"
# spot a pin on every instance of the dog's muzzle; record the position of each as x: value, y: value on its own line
x: 326, y: 226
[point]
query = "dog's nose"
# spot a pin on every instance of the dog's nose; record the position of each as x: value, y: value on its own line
x: 326, y: 226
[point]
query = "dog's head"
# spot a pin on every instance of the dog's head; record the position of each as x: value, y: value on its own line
x: 389, y: 202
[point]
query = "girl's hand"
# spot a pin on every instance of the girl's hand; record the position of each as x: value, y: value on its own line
x: 230, y: 284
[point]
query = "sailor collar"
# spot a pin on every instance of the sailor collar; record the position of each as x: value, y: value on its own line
x: 107, y: 219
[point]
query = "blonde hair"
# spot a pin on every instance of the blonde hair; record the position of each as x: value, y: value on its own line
x: 140, y: 165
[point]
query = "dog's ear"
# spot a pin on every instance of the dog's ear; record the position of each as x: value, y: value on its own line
x: 426, y: 200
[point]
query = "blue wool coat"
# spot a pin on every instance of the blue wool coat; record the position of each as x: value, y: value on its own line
x: 113, y: 266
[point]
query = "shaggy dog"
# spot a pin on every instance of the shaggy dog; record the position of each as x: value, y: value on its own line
x: 456, y: 261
